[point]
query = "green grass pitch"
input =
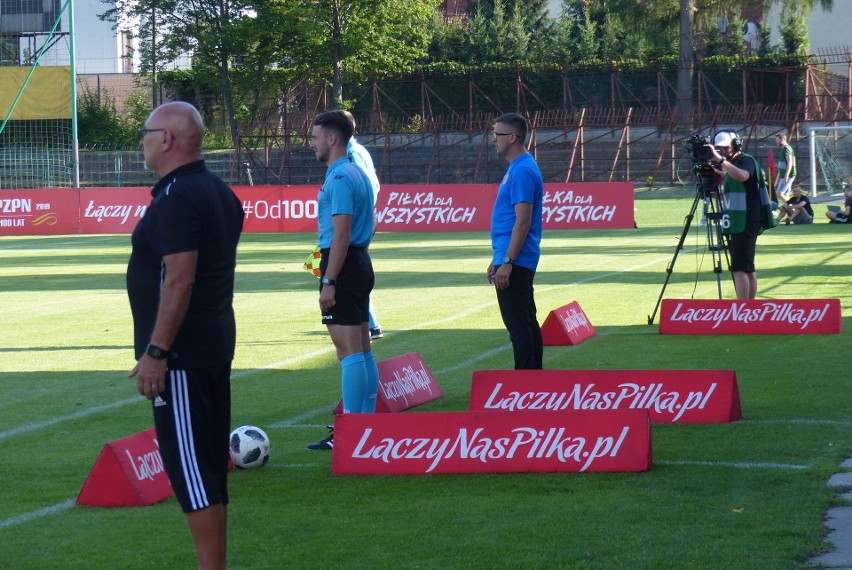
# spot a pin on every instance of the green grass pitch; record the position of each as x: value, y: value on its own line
x: 746, y: 495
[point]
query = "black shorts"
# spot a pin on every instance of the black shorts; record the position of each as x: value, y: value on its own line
x: 742, y: 247
x: 352, y: 288
x: 193, y: 421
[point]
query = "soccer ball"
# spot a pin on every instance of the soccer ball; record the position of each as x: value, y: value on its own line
x: 249, y: 447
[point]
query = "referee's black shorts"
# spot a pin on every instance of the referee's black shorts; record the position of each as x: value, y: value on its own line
x: 352, y: 288
x: 193, y: 421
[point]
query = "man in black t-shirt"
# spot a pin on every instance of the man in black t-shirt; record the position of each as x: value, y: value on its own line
x: 180, y: 282
x: 845, y: 215
x: 797, y: 210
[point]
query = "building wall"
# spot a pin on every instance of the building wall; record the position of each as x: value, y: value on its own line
x: 826, y: 29
x: 99, y: 48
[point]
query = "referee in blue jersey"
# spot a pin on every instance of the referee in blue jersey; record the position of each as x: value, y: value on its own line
x: 180, y: 281
x: 345, y: 221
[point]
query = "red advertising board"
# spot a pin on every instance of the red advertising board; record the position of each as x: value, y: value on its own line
x: 39, y: 212
x: 587, y: 205
x: 567, y: 325
x: 128, y: 472
x: 467, y: 207
x: 271, y: 209
x: 112, y: 210
x: 404, y: 382
x: 769, y: 316
x: 421, y: 208
x: 491, y: 442
x: 669, y: 396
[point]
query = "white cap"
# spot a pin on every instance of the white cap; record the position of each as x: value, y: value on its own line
x: 724, y: 138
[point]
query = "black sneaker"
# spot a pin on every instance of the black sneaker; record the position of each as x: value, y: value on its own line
x: 327, y: 443
x: 376, y: 333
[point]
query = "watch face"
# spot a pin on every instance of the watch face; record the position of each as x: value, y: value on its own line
x: 507, y: 259
x: 156, y: 352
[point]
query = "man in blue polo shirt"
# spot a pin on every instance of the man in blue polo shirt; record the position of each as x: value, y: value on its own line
x: 516, y: 240
x: 345, y: 222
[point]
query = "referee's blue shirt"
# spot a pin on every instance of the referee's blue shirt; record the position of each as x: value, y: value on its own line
x: 346, y: 190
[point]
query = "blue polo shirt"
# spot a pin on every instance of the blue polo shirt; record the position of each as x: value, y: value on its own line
x: 362, y: 159
x: 522, y: 183
x: 346, y: 190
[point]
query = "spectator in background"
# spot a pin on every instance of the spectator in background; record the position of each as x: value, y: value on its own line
x: 797, y: 210
x: 786, y: 170
x: 842, y: 216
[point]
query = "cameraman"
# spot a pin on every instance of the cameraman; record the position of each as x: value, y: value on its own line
x: 747, y: 208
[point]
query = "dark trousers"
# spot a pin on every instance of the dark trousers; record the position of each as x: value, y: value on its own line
x: 517, y: 307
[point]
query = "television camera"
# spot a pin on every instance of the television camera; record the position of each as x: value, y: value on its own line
x: 702, y: 167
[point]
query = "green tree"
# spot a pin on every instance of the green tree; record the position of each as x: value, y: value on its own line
x: 533, y: 13
x: 794, y: 34
x: 206, y: 29
x: 100, y: 124
x: 494, y: 38
x: 362, y: 36
x: 449, y: 41
x: 654, y: 19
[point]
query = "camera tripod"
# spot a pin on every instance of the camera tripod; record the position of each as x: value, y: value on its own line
x: 710, y: 196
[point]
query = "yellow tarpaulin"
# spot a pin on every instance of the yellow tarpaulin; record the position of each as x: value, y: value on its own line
x: 47, y: 95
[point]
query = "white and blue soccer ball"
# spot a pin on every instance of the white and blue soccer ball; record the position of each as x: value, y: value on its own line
x: 249, y: 447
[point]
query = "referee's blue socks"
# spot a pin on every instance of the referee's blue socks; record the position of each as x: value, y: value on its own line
x: 354, y: 382
x: 369, y: 405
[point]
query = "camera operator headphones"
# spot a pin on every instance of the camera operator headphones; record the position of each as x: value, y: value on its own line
x: 728, y: 138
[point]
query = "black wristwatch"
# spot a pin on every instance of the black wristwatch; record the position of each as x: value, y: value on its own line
x: 157, y: 353
x: 326, y: 280
x: 508, y: 260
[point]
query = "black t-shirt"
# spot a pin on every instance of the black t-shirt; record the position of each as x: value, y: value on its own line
x: 794, y: 201
x: 192, y: 209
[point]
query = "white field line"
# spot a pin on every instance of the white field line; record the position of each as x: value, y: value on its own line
x: 57, y: 419
x: 32, y: 515
x: 739, y: 464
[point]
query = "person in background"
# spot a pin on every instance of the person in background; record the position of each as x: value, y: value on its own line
x: 747, y: 209
x: 786, y: 173
x: 516, y: 240
x: 362, y: 159
x: 180, y: 282
x: 797, y: 210
x: 842, y: 216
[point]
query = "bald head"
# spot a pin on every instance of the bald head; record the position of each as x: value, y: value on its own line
x: 184, y: 120
x: 172, y: 136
